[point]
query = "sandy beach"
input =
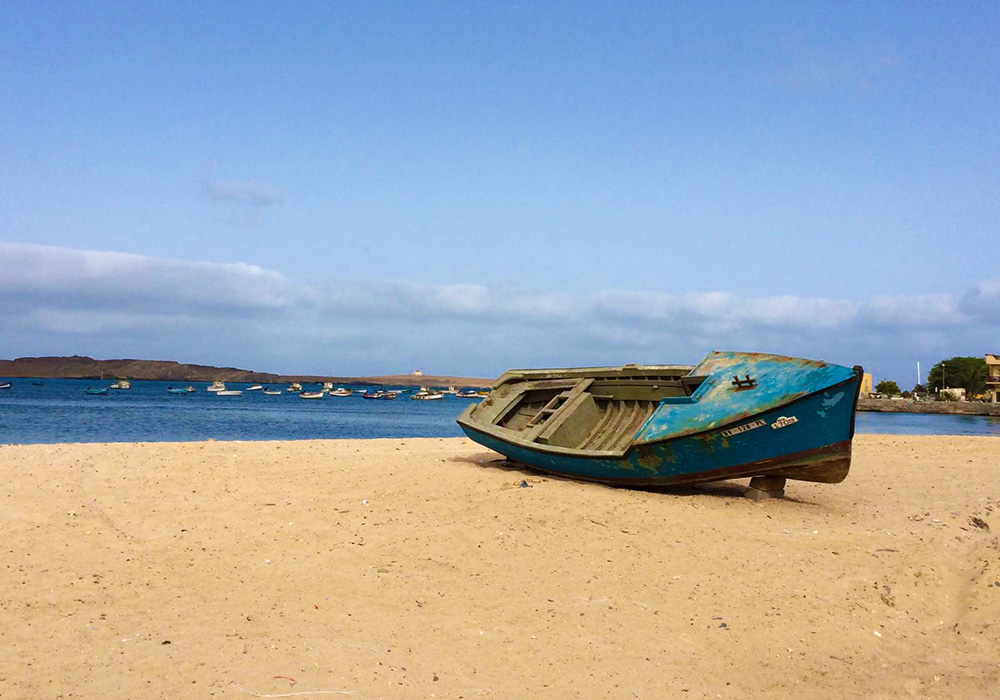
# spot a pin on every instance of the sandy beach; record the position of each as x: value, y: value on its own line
x: 423, y: 568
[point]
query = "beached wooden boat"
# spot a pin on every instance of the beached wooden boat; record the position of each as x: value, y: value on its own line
x: 733, y: 415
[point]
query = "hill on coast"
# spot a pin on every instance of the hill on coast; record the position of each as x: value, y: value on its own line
x: 80, y: 367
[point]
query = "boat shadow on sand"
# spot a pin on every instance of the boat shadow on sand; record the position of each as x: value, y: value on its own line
x: 714, y: 489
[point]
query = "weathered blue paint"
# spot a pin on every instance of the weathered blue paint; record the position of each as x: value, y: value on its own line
x: 716, y: 403
x: 800, y: 412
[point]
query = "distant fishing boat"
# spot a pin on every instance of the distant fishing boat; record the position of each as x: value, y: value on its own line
x: 426, y: 394
x: 176, y: 390
x: 255, y: 387
x: 7, y: 385
x: 229, y: 392
x: 216, y: 386
x: 341, y: 391
x: 733, y: 415
x: 380, y: 395
x: 102, y: 391
x: 272, y: 392
x: 311, y: 395
x: 122, y: 383
x: 294, y: 388
x: 469, y: 394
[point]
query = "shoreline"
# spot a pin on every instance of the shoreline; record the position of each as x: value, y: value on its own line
x: 951, y: 408
x: 403, y: 568
x: 80, y: 367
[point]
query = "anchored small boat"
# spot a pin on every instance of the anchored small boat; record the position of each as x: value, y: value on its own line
x: 7, y: 385
x: 426, y: 394
x: 216, y: 386
x: 122, y: 383
x: 294, y: 388
x: 97, y: 391
x: 255, y: 387
x: 733, y: 415
x: 229, y: 392
x: 177, y: 390
x: 341, y: 391
x: 272, y: 392
x: 311, y: 395
x: 380, y: 395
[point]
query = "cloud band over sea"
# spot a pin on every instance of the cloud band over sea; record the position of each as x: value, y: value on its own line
x: 110, y: 304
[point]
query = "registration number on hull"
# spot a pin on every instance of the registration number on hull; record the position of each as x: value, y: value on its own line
x: 743, y: 428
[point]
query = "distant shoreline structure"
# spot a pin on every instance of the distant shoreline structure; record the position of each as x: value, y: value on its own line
x: 81, y: 367
x: 951, y: 408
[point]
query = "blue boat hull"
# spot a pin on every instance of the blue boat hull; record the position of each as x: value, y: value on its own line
x: 692, y: 439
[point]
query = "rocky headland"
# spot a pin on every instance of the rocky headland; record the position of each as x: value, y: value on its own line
x: 80, y: 367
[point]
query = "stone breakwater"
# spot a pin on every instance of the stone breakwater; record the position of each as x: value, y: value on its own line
x: 953, y: 408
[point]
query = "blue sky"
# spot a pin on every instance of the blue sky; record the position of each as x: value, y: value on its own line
x: 363, y: 188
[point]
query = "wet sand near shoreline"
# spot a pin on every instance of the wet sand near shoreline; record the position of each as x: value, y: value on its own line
x: 423, y: 568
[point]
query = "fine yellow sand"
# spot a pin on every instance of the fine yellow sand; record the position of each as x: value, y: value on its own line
x: 418, y: 568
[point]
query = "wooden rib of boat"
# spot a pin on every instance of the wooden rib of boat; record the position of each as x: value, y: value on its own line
x: 733, y: 415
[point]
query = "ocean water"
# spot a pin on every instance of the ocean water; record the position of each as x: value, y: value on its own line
x: 60, y: 410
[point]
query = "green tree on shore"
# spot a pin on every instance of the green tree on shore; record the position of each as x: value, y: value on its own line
x: 887, y: 388
x: 967, y: 373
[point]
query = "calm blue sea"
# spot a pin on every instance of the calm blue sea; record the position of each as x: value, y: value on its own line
x: 60, y: 411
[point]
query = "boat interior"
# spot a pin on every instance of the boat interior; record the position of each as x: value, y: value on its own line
x: 598, y: 414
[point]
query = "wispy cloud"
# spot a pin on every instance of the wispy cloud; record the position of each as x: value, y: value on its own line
x: 253, y: 193
x: 252, y: 315
x: 247, y: 201
x: 859, y: 67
